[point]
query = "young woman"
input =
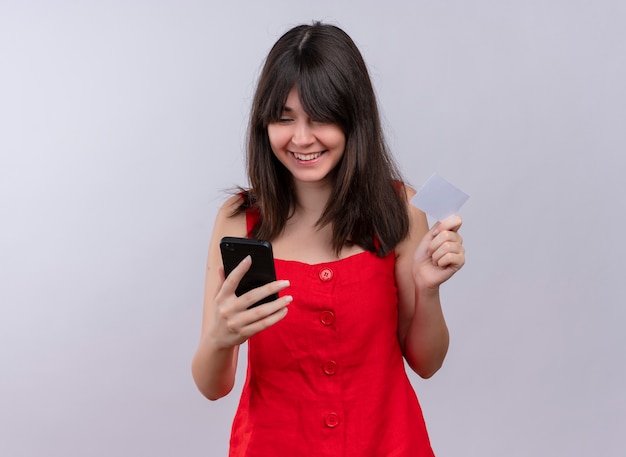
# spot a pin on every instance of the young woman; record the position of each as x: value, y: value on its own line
x: 359, y: 271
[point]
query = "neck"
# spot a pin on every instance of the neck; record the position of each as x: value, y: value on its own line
x: 312, y: 199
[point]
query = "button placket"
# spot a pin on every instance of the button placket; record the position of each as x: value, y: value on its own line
x: 325, y: 275
x: 328, y: 362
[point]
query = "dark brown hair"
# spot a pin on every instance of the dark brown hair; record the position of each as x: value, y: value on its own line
x: 333, y: 84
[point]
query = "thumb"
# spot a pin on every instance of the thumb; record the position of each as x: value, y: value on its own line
x: 222, y: 276
x: 452, y: 224
x: 434, y: 231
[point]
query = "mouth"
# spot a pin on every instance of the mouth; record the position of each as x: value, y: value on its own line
x: 307, y: 157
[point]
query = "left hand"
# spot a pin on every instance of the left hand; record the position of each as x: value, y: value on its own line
x: 439, y: 255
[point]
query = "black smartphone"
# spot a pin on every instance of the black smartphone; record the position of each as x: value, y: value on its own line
x: 234, y: 250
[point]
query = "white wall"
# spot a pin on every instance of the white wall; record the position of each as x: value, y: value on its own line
x: 121, y: 122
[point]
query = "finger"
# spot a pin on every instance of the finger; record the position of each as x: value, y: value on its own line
x: 253, y: 296
x: 444, y: 238
x: 232, y: 280
x: 449, y: 254
x: 434, y: 231
x: 451, y: 260
x: 251, y: 321
x: 452, y: 223
x: 264, y: 320
x: 221, y: 276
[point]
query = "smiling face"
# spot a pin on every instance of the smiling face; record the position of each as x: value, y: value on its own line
x: 308, y: 148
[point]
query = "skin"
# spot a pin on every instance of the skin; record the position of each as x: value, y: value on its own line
x: 424, y: 260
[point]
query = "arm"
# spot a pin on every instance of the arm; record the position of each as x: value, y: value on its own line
x: 226, y: 321
x: 425, y: 259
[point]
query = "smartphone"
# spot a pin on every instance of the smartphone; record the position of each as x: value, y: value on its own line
x: 234, y: 250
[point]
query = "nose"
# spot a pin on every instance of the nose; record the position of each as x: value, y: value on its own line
x: 302, y: 134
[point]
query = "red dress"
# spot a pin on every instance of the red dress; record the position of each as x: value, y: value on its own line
x: 329, y: 379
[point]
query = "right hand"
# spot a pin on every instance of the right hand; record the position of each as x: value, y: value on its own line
x: 233, y: 323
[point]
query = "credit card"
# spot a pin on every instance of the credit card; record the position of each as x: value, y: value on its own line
x: 439, y: 198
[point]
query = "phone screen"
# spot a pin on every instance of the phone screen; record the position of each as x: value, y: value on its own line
x: 262, y: 271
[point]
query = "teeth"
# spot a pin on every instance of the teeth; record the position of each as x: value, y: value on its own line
x: 305, y: 157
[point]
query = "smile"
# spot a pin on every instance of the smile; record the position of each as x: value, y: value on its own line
x: 306, y: 157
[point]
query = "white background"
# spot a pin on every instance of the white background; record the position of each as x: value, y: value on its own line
x: 122, y: 123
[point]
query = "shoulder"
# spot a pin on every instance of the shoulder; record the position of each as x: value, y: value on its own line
x: 403, y: 190
x: 418, y: 224
x: 230, y: 221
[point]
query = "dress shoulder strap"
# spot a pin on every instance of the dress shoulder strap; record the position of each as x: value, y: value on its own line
x: 253, y: 216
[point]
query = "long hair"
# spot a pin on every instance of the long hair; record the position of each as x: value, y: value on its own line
x: 368, y: 206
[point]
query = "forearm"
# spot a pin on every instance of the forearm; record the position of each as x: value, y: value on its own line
x: 214, y: 368
x: 427, y: 338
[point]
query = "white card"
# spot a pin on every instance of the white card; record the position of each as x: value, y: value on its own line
x: 438, y: 198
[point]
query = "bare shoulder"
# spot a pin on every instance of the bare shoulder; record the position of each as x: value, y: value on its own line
x: 407, y: 190
x: 418, y: 225
x: 228, y: 222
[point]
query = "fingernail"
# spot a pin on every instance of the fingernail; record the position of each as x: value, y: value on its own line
x: 284, y: 283
x: 288, y: 298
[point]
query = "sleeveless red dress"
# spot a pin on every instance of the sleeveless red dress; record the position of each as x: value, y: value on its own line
x: 329, y: 379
